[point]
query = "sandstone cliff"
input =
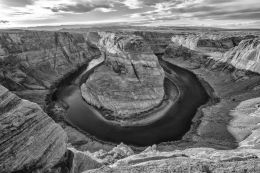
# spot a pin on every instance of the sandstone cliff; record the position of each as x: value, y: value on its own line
x: 131, y: 79
x: 245, y: 56
x: 29, y: 139
x: 33, y: 60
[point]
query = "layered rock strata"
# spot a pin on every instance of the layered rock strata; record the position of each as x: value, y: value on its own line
x: 189, y: 160
x: 32, y: 61
x: 245, y: 56
x: 130, y: 81
x: 29, y: 139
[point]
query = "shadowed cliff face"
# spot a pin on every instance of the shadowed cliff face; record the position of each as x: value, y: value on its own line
x: 131, y: 79
x: 35, y: 60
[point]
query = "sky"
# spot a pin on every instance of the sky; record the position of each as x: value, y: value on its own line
x: 209, y: 13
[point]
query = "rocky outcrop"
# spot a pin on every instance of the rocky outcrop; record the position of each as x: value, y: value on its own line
x: 29, y: 139
x: 76, y: 161
x: 130, y: 81
x: 245, y: 56
x: 245, y: 123
x: 189, y: 160
x: 83, y: 161
x: 119, y: 152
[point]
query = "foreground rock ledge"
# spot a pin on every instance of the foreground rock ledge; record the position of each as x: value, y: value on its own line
x: 131, y: 79
x: 29, y: 138
x: 189, y: 160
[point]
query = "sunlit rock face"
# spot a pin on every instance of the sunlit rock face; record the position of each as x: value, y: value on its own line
x: 29, y: 139
x: 130, y: 81
x: 245, y: 56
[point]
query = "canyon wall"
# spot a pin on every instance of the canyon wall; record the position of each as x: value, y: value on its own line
x: 33, y: 61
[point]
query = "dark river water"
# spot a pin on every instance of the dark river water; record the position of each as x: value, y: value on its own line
x: 172, y: 126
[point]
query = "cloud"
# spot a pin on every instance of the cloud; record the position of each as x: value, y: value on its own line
x: 18, y: 13
x: 183, y: 12
x: 4, y: 21
x: 241, y: 16
x: 105, y: 10
x: 16, y: 3
x: 133, y: 4
x: 202, y: 9
x: 81, y: 7
x: 234, y: 14
x: 218, y: 1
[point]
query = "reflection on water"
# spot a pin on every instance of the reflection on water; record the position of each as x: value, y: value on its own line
x: 172, y: 126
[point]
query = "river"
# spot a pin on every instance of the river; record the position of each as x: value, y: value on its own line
x: 174, y: 123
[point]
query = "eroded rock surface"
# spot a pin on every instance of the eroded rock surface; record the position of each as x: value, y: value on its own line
x: 245, y: 56
x: 189, y: 160
x: 83, y: 161
x: 118, y: 152
x: 32, y: 61
x: 29, y: 139
x: 130, y: 81
x: 246, y: 123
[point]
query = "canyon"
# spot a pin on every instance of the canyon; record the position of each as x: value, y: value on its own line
x: 38, y: 134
